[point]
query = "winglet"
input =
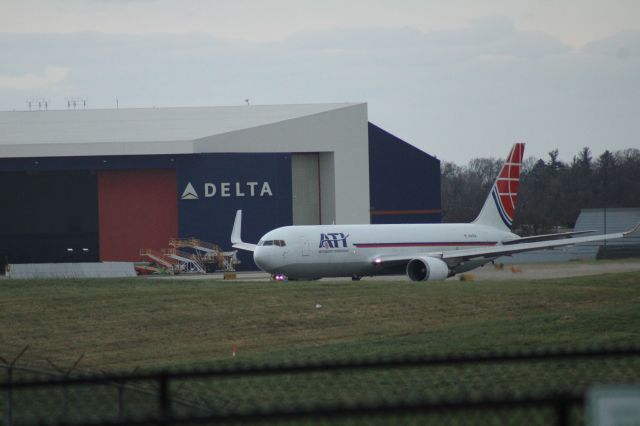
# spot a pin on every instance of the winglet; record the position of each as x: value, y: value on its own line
x: 236, y: 239
x: 635, y: 232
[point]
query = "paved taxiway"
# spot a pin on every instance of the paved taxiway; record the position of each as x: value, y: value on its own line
x: 527, y: 271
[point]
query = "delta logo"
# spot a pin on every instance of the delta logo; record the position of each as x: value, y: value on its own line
x: 227, y: 190
x: 333, y: 240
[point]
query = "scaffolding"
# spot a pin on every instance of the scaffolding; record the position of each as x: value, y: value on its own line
x: 192, y: 256
x: 208, y: 253
x: 159, y: 259
x: 186, y: 262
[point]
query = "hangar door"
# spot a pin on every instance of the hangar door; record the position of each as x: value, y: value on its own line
x: 305, y: 188
x: 138, y: 210
x: 48, y: 217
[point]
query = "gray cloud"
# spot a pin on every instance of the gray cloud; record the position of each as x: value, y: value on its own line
x: 489, y: 36
x: 624, y: 45
x: 453, y: 93
x: 125, y: 2
x: 51, y: 77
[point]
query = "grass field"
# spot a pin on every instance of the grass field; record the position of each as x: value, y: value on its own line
x: 123, y: 324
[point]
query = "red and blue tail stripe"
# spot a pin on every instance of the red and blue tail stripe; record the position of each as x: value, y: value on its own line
x: 505, y: 189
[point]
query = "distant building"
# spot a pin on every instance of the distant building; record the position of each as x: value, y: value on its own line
x: 601, y: 221
x: 99, y: 185
x: 607, y: 221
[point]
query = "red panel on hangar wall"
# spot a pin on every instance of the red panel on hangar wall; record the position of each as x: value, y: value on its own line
x: 136, y: 209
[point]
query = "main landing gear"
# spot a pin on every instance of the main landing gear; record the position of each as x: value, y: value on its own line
x: 355, y: 277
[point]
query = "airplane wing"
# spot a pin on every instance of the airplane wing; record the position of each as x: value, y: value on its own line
x: 454, y: 257
x: 504, y: 250
x: 546, y: 237
x: 236, y: 239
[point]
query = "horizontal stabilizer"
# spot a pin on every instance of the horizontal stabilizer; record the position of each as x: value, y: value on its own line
x: 245, y: 246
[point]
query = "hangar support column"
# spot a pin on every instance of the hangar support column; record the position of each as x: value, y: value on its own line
x: 339, y: 134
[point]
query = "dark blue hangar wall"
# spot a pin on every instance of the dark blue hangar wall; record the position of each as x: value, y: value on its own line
x: 259, y: 184
x: 404, y: 182
x: 208, y: 189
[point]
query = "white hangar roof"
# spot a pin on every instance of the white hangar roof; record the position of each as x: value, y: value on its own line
x: 142, y: 130
x: 337, y: 132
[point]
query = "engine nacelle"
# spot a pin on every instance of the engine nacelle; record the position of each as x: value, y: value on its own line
x: 427, y: 269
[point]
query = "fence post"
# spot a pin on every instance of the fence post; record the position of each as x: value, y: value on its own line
x: 562, y: 411
x: 8, y: 416
x: 165, y: 404
x: 65, y: 403
x: 120, y: 400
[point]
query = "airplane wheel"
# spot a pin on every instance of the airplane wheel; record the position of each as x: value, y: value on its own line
x: 355, y: 277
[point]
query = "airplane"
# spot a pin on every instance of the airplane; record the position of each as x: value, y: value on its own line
x: 424, y: 252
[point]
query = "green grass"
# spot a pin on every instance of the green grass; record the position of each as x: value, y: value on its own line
x: 123, y: 324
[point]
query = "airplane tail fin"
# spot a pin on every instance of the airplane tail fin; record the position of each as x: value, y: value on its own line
x: 500, y: 206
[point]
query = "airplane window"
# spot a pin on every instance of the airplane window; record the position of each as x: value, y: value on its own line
x: 279, y: 243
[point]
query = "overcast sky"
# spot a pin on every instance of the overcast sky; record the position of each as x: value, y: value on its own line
x: 459, y: 79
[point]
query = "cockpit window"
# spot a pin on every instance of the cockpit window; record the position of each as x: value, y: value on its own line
x: 279, y: 243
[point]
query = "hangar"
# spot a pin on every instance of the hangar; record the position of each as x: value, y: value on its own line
x: 99, y: 185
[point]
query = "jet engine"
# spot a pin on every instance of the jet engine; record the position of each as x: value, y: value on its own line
x: 427, y: 269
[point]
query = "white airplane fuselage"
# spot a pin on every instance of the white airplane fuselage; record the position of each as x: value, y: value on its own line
x: 424, y: 252
x: 316, y: 251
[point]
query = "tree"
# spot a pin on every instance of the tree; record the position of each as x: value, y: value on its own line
x: 605, y: 174
x: 580, y: 191
x: 464, y: 189
x: 552, y: 193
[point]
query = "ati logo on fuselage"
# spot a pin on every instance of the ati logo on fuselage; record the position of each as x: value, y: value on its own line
x: 333, y: 240
x: 228, y: 189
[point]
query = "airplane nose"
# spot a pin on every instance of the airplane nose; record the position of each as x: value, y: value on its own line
x: 261, y: 259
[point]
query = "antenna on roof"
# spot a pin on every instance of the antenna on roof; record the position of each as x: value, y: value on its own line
x: 76, y: 102
x: 42, y: 104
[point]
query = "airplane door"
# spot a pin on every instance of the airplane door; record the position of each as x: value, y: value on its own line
x: 304, y: 243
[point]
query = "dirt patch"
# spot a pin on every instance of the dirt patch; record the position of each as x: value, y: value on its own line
x: 533, y: 271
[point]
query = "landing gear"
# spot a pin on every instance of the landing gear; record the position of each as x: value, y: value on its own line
x: 355, y: 277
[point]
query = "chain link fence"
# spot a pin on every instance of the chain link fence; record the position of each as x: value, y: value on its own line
x: 543, y: 387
